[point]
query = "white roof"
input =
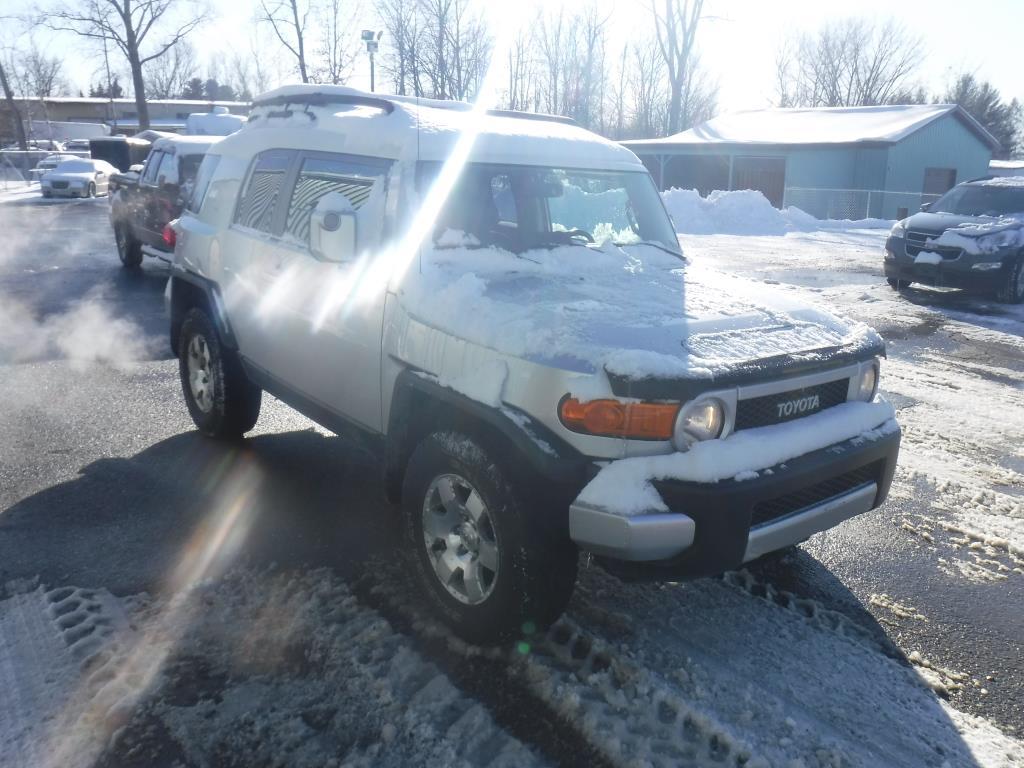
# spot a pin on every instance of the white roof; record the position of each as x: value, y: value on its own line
x: 427, y: 129
x: 190, y: 145
x: 817, y: 125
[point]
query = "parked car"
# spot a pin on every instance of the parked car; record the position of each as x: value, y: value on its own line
x: 48, y: 163
x: 78, y: 177
x: 510, y: 326
x: 48, y: 145
x: 144, y: 200
x: 972, y: 238
x: 77, y: 145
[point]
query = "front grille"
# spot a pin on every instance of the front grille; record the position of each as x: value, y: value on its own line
x: 767, y: 511
x: 918, y: 241
x: 59, y: 185
x: 775, y: 409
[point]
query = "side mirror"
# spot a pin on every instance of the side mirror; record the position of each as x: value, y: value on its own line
x: 332, y: 228
x: 926, y: 207
x: 137, y: 168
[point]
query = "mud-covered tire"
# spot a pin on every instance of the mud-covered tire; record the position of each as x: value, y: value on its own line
x: 223, y: 403
x: 1011, y: 290
x: 129, y: 250
x: 536, y: 565
x: 897, y: 285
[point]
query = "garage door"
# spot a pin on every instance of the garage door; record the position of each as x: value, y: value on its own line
x: 765, y: 174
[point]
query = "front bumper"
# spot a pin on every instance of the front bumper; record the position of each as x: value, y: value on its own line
x: 67, y: 192
x: 715, y: 527
x: 951, y: 273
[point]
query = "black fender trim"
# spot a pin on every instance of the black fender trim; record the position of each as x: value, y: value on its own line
x: 548, y: 456
x: 211, y: 292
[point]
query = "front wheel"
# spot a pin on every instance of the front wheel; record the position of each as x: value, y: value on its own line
x: 91, y: 190
x: 490, y: 566
x: 223, y: 403
x: 1012, y: 289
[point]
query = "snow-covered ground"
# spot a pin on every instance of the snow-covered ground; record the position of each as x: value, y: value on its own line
x: 270, y: 666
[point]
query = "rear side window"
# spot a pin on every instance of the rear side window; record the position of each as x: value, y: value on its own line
x: 319, y: 176
x: 168, y: 171
x: 258, y: 202
x: 203, y: 176
x: 152, y: 164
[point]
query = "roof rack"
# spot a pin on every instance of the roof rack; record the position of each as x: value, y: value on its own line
x: 320, y: 99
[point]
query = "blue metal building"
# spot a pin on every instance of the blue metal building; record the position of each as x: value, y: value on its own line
x: 833, y: 162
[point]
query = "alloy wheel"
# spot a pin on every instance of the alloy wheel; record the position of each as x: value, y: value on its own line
x: 200, y: 373
x: 460, y: 538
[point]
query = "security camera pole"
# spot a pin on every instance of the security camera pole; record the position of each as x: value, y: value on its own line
x: 371, y: 39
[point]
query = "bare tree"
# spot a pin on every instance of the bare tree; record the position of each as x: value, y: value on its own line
x: 675, y: 24
x: 403, y: 34
x: 12, y: 106
x: 167, y: 76
x: 129, y: 24
x: 522, y: 67
x: 455, y: 48
x: 338, y: 46
x: 848, y: 63
x: 40, y: 75
x: 289, y: 19
x: 573, y: 66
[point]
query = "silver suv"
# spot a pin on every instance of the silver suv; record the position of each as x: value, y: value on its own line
x: 498, y: 301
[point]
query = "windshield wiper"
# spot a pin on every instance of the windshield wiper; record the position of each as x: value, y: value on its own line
x: 654, y: 244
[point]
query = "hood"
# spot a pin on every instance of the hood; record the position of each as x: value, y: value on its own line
x: 936, y: 223
x: 55, y: 176
x: 637, y: 312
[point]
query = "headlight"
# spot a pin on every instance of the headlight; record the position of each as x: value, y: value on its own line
x: 867, y: 385
x: 899, y: 229
x: 987, y: 266
x: 702, y: 420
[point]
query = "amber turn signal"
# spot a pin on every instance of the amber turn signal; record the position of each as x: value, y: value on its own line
x: 611, y: 418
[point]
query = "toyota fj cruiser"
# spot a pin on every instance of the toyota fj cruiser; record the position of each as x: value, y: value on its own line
x: 972, y: 238
x: 498, y: 302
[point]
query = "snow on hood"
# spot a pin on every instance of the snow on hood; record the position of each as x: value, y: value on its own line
x: 636, y: 311
x: 985, y: 236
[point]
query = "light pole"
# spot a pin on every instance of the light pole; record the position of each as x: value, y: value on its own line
x: 371, y: 39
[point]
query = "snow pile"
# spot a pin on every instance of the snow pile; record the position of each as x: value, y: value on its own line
x: 624, y: 486
x: 985, y: 237
x: 636, y: 310
x: 747, y: 212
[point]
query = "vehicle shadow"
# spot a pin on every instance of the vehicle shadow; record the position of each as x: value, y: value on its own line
x: 124, y: 523
x: 302, y: 500
x: 969, y: 308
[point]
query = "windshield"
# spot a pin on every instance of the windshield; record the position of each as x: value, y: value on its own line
x: 522, y: 207
x: 981, y: 200
x: 76, y: 166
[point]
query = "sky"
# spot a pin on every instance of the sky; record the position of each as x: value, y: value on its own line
x: 738, y: 39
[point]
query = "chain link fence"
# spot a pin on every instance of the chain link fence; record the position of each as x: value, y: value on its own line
x: 855, y: 203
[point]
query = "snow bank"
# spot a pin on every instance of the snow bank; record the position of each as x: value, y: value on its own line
x: 624, y: 487
x: 747, y: 212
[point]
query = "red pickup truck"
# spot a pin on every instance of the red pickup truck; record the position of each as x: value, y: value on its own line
x: 146, y: 198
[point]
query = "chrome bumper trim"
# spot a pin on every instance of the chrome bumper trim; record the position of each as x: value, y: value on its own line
x: 801, y: 525
x: 636, y: 538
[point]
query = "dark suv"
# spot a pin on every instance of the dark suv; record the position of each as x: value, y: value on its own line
x: 972, y: 237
